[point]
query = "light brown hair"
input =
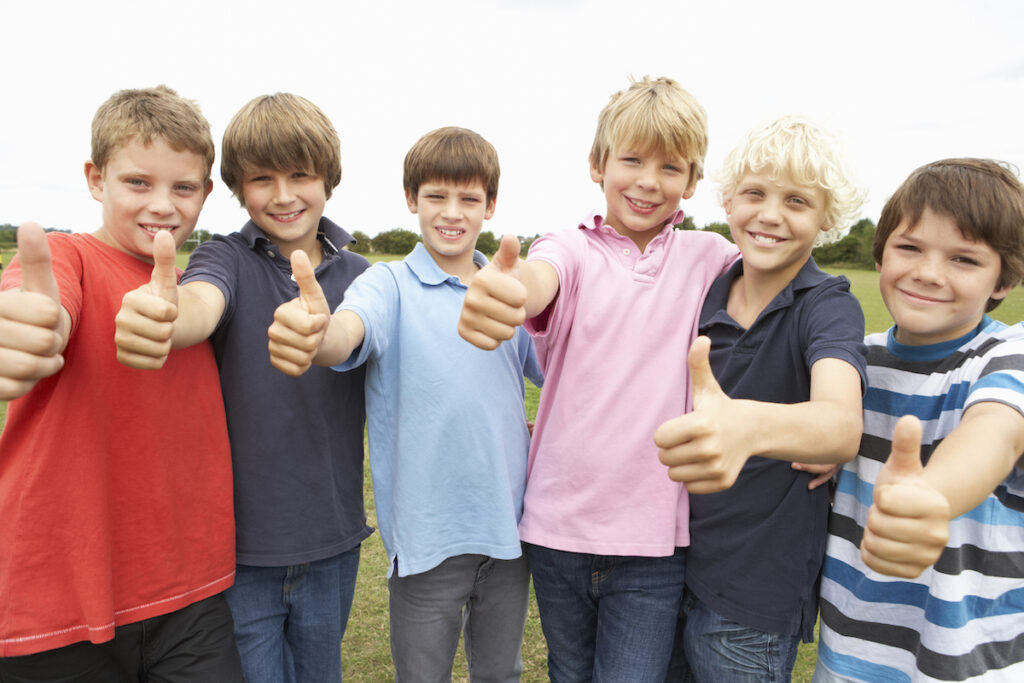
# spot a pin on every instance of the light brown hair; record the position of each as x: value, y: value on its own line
x: 455, y: 155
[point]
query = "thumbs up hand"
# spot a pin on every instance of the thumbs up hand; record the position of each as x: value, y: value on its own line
x: 706, y: 448
x: 300, y: 324
x: 33, y: 324
x: 908, y: 524
x: 145, y: 323
x: 496, y: 298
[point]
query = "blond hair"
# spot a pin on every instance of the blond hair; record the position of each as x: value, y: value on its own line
x: 653, y: 115
x: 283, y: 132
x: 146, y: 114
x: 810, y: 156
x: 455, y: 155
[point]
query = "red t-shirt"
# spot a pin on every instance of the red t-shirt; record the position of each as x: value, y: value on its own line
x: 115, y: 484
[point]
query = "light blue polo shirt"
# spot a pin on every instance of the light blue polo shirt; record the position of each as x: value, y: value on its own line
x: 447, y: 427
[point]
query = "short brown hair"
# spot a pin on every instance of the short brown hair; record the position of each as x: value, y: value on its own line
x: 653, y: 114
x: 283, y: 132
x: 146, y: 114
x: 455, y: 155
x: 984, y: 197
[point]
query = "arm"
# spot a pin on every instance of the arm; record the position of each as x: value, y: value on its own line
x: 34, y: 326
x: 304, y: 332
x: 707, y: 448
x: 162, y: 315
x: 503, y: 294
x: 908, y: 524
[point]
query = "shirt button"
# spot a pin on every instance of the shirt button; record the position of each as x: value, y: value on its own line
x: 270, y: 253
x: 626, y: 252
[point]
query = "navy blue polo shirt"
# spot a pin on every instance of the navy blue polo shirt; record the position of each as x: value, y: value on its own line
x: 296, y: 442
x: 756, y: 549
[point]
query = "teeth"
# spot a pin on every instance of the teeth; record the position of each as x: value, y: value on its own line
x: 765, y: 239
x: 157, y: 228
x: 642, y: 205
x: 447, y: 232
x: 286, y: 216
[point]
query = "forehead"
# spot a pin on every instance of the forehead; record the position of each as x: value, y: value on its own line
x: 939, y: 228
x: 156, y: 156
x: 779, y: 178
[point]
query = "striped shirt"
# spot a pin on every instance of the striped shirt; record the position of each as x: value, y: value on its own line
x: 963, y: 618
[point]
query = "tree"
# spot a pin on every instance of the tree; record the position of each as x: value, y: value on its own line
x: 487, y: 243
x: 719, y: 227
x: 362, y: 244
x: 524, y: 245
x: 399, y: 242
x: 853, y: 250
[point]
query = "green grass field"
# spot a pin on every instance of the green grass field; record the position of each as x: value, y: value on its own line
x: 365, y: 652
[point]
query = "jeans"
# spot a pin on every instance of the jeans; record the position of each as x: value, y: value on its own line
x: 717, y: 649
x: 484, y: 598
x: 289, y: 621
x: 607, y: 618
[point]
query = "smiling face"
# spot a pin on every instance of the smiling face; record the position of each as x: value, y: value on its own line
x: 451, y: 216
x: 935, y: 282
x: 642, y: 191
x: 774, y: 222
x: 287, y: 206
x: 146, y: 189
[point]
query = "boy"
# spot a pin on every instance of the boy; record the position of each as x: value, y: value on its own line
x: 949, y: 247
x: 298, y: 477
x: 115, y: 497
x: 447, y: 427
x: 610, y: 305
x: 787, y: 352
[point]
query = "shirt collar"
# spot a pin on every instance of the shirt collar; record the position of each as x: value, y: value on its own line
x: 425, y: 268
x: 809, y: 276
x: 595, y: 221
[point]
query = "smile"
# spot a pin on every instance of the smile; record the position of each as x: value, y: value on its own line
x: 450, y: 232
x: 761, y: 238
x: 643, y: 206
x: 287, y: 217
x: 154, y: 229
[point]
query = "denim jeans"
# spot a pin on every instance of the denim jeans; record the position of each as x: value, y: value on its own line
x: 483, y: 598
x: 289, y: 621
x: 717, y: 649
x: 607, y: 618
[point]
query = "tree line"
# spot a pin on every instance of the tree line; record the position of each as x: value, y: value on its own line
x: 852, y: 251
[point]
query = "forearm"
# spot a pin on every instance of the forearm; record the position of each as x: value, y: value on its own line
x: 810, y: 432
x: 200, y: 307
x: 345, y: 333
x: 541, y: 282
x: 976, y: 456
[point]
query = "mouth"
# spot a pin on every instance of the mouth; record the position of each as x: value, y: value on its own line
x: 919, y: 298
x: 287, y: 217
x: 154, y: 228
x: 450, y: 233
x: 641, y: 206
x: 765, y: 239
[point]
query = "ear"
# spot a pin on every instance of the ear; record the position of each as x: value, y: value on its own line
x: 878, y: 266
x: 207, y: 190
x: 727, y: 204
x: 689, y: 191
x: 94, y: 178
x: 1001, y: 293
x: 410, y: 201
x: 596, y: 174
x: 490, y: 208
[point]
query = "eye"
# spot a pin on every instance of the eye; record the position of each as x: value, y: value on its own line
x: 629, y: 160
x: 672, y: 168
x: 799, y: 201
x: 966, y: 260
x: 259, y: 179
x: 906, y: 247
x: 300, y: 174
x: 136, y: 182
x: 471, y: 200
x: 185, y: 188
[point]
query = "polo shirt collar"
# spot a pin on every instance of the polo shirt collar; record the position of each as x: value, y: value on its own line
x: 425, y: 268
x: 808, y: 276
x: 596, y: 222
x: 328, y: 232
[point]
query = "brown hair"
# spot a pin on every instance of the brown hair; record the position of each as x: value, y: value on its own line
x: 148, y: 113
x: 455, y: 155
x: 283, y: 132
x: 984, y: 197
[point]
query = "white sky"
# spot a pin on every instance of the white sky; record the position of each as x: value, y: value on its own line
x: 905, y: 82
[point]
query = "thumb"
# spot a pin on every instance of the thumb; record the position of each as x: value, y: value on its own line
x: 702, y: 379
x: 309, y: 289
x: 905, y: 458
x: 164, y: 281
x: 507, y: 256
x: 36, y: 267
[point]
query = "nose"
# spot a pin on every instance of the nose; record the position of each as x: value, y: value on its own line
x: 452, y: 209
x: 647, y: 177
x: 160, y: 203
x: 770, y: 212
x: 930, y: 269
x: 283, y: 193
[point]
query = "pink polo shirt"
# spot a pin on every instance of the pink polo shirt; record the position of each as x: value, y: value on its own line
x: 613, y: 347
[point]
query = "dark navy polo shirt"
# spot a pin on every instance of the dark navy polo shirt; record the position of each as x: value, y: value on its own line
x: 296, y: 442
x: 756, y: 549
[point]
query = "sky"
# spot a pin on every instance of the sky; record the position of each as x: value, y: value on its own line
x: 902, y: 82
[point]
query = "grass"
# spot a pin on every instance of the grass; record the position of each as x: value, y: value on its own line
x: 365, y: 652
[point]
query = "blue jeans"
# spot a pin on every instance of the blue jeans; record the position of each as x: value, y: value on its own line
x: 607, y: 618
x: 717, y: 649
x: 289, y: 621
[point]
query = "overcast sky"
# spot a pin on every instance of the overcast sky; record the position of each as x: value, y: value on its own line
x: 904, y: 82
